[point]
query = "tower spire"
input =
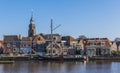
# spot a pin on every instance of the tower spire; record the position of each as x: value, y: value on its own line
x: 32, y: 28
x: 31, y: 16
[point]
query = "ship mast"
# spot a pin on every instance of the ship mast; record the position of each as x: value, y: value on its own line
x: 52, y: 29
x: 51, y: 37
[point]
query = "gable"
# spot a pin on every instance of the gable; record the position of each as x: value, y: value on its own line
x: 39, y: 38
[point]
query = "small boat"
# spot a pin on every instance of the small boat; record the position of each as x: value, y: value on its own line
x: 44, y: 57
x: 74, y: 57
x: 59, y: 58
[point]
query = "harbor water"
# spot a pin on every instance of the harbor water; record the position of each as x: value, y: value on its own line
x: 61, y: 67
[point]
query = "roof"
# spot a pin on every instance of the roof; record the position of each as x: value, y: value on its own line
x: 1, y: 41
x: 10, y: 38
x: 72, y: 38
x: 38, y: 37
x: 52, y: 34
x: 26, y: 39
x: 97, y: 39
x: 82, y: 37
x: 48, y: 36
x: 68, y: 38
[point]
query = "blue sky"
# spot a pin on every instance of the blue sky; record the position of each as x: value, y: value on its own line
x: 92, y: 18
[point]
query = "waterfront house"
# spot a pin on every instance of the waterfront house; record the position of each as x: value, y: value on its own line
x: 32, y: 44
x: 80, y: 46
x: 26, y: 45
x: 113, y: 46
x: 69, y: 41
x: 39, y: 43
x: 38, y: 39
x: 69, y: 44
x: 117, y: 42
x: 11, y: 43
x: 76, y: 46
x: 54, y: 49
x: 97, y: 46
x: 51, y: 47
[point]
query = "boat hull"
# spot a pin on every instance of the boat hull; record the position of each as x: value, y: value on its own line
x: 61, y: 58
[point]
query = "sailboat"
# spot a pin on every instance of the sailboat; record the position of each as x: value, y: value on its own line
x: 59, y: 57
x: 51, y: 56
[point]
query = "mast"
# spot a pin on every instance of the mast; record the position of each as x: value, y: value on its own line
x: 51, y: 40
x: 51, y: 37
x: 51, y: 30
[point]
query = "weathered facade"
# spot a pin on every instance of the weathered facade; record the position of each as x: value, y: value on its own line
x: 12, y: 43
x: 80, y: 47
x: 97, y: 46
x: 39, y: 43
x: 114, y: 46
x: 117, y: 42
x: 26, y: 45
x: 69, y: 41
x: 54, y: 49
x: 32, y: 44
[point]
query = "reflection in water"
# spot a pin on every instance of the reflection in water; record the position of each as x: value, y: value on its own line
x: 98, y: 67
x: 61, y: 67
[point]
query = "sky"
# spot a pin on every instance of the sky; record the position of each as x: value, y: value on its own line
x: 92, y: 18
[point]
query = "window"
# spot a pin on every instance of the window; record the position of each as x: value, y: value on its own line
x: 53, y: 51
x: 54, y: 38
x: 29, y: 45
x: 24, y: 45
x: 92, y: 43
x: 8, y: 45
x: 102, y: 43
x: 14, y: 45
x: 34, y: 44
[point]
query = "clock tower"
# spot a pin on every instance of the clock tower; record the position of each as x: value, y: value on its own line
x: 32, y: 28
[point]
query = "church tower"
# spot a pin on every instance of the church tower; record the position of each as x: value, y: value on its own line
x: 32, y: 28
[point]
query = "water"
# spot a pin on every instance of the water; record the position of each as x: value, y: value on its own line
x: 61, y: 67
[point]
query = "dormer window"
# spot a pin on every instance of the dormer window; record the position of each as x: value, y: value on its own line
x: 39, y: 38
